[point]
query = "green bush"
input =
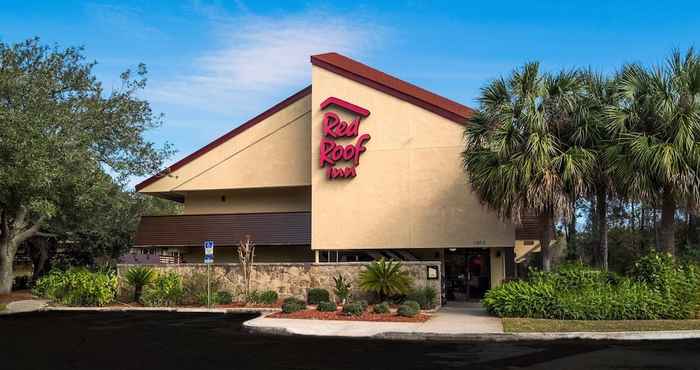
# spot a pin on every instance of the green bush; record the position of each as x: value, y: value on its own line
x: 265, y: 297
x: 385, y: 278
x: 166, y: 290
x: 342, y: 288
x: 363, y: 303
x: 293, y: 305
x: 194, y: 287
x: 413, y: 304
x: 223, y: 297
x: 78, y: 287
x: 327, y: 307
x: 138, y: 277
x: 353, y: 309
x: 381, y: 308
x: 657, y: 289
x: 408, y: 310
x: 425, y: 296
x: 317, y: 295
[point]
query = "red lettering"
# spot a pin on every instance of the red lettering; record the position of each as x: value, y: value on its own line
x: 330, y: 152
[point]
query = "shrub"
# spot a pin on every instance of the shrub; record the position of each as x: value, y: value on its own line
x: 293, y: 305
x: 408, y: 310
x: 223, y: 297
x: 265, y: 297
x: 342, y: 288
x: 327, y: 307
x: 385, y: 278
x: 363, y: 303
x: 354, y: 309
x: 138, y: 277
x: 318, y: 295
x: 658, y: 289
x: 78, y: 287
x: 426, y: 297
x: 381, y: 308
x: 194, y: 287
x: 413, y: 304
x: 166, y: 290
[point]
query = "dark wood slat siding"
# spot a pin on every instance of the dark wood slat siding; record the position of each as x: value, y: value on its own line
x: 529, y: 229
x: 290, y: 228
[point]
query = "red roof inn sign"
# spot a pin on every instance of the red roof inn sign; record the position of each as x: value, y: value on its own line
x: 335, y: 128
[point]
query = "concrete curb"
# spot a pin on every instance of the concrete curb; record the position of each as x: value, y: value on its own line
x: 252, y: 327
x: 164, y: 309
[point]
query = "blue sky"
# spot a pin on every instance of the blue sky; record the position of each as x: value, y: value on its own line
x: 214, y: 64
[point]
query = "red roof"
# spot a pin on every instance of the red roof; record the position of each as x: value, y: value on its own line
x: 381, y: 81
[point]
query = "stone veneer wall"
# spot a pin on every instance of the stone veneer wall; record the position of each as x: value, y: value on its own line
x: 293, y: 279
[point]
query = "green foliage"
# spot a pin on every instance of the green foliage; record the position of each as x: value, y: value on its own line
x: 408, y: 310
x: 317, y: 295
x: 381, y: 308
x: 363, y: 303
x: 661, y: 290
x: 68, y: 146
x: 425, y: 296
x: 413, y: 304
x: 291, y: 305
x: 353, y: 309
x: 385, y: 278
x: 342, y: 288
x: 78, y: 287
x: 267, y: 297
x: 138, y: 277
x: 194, y: 287
x: 166, y: 290
x: 223, y: 297
x: 327, y: 307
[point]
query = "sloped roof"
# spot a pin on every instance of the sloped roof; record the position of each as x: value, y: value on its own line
x: 403, y: 90
x: 248, y: 124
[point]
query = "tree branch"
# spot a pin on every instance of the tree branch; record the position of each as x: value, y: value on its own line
x: 26, y: 234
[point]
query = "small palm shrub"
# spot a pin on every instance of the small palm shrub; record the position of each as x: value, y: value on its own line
x: 425, y: 296
x: 291, y: 305
x: 353, y: 309
x: 408, y: 310
x: 138, y: 277
x: 385, y: 278
x: 317, y: 295
x: 381, y: 308
x: 223, y: 297
x: 78, y: 287
x: 342, y: 288
x: 166, y: 290
x: 327, y: 307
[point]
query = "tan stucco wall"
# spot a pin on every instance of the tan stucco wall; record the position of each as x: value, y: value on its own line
x: 290, y: 199
x: 272, y: 153
x: 410, y: 190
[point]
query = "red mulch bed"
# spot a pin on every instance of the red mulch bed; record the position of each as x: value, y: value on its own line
x: 312, y: 314
x: 18, y: 295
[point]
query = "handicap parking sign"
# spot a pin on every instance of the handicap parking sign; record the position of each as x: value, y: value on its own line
x: 209, y: 251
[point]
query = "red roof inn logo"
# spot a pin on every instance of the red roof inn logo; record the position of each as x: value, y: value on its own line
x: 335, y: 128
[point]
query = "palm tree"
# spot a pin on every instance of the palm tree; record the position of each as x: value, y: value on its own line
x: 385, y: 278
x: 590, y: 131
x: 514, y: 155
x: 658, y: 125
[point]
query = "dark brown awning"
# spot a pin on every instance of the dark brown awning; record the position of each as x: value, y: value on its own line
x: 287, y: 228
x: 530, y: 228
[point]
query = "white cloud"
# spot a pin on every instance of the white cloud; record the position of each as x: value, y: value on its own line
x: 257, y: 56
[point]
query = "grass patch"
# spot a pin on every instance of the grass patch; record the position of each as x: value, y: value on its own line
x: 2, y: 307
x: 520, y: 325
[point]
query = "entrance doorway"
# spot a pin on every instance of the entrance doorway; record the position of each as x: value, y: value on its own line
x: 467, y: 273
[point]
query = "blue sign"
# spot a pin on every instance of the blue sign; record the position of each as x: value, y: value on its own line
x: 209, y: 251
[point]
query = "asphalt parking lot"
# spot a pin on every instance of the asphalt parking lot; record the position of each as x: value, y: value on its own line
x: 148, y: 340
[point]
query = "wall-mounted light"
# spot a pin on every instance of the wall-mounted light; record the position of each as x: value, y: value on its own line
x: 453, y: 249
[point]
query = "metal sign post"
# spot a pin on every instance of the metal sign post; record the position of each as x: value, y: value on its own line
x: 208, y: 260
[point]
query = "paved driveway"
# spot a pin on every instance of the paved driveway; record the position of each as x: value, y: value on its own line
x: 156, y: 340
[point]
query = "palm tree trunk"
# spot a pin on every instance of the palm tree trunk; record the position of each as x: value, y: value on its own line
x: 667, y: 240
x: 602, y: 219
x: 547, y: 222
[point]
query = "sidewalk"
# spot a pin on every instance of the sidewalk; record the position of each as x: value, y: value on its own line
x: 27, y: 305
x: 447, y: 324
